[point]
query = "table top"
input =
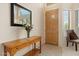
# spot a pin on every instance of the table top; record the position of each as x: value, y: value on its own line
x: 18, y: 42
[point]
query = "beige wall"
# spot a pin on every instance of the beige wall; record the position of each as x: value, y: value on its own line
x: 8, y: 33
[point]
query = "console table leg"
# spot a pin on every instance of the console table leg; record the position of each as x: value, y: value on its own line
x: 34, y: 45
x: 76, y: 46
x: 5, y: 51
x: 40, y: 46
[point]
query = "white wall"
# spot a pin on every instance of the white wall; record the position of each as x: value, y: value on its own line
x: 8, y: 33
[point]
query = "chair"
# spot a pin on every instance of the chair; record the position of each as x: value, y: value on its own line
x: 73, y: 38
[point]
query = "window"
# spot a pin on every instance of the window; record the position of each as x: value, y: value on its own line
x: 66, y: 17
x: 77, y: 17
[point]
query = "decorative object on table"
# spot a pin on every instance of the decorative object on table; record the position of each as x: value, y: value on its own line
x: 28, y: 29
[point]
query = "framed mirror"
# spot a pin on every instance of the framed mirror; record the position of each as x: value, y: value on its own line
x: 20, y: 15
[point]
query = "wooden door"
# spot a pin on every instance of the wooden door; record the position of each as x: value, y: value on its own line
x: 51, y: 26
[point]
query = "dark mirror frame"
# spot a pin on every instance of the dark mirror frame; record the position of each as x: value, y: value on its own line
x: 12, y: 14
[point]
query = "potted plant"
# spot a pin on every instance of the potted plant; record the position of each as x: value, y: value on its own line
x: 27, y: 27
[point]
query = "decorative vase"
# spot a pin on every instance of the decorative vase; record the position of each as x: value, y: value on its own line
x: 28, y: 34
x: 28, y: 29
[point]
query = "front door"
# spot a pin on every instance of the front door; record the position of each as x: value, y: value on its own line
x: 51, y: 26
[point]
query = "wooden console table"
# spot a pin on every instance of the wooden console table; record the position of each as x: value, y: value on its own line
x: 13, y: 46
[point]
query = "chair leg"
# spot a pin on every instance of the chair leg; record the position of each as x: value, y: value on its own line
x: 76, y: 46
x: 72, y: 44
x: 67, y: 43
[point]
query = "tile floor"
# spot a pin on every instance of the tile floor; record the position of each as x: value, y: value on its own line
x: 51, y: 50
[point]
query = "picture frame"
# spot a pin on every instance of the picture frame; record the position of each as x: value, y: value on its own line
x: 20, y: 15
